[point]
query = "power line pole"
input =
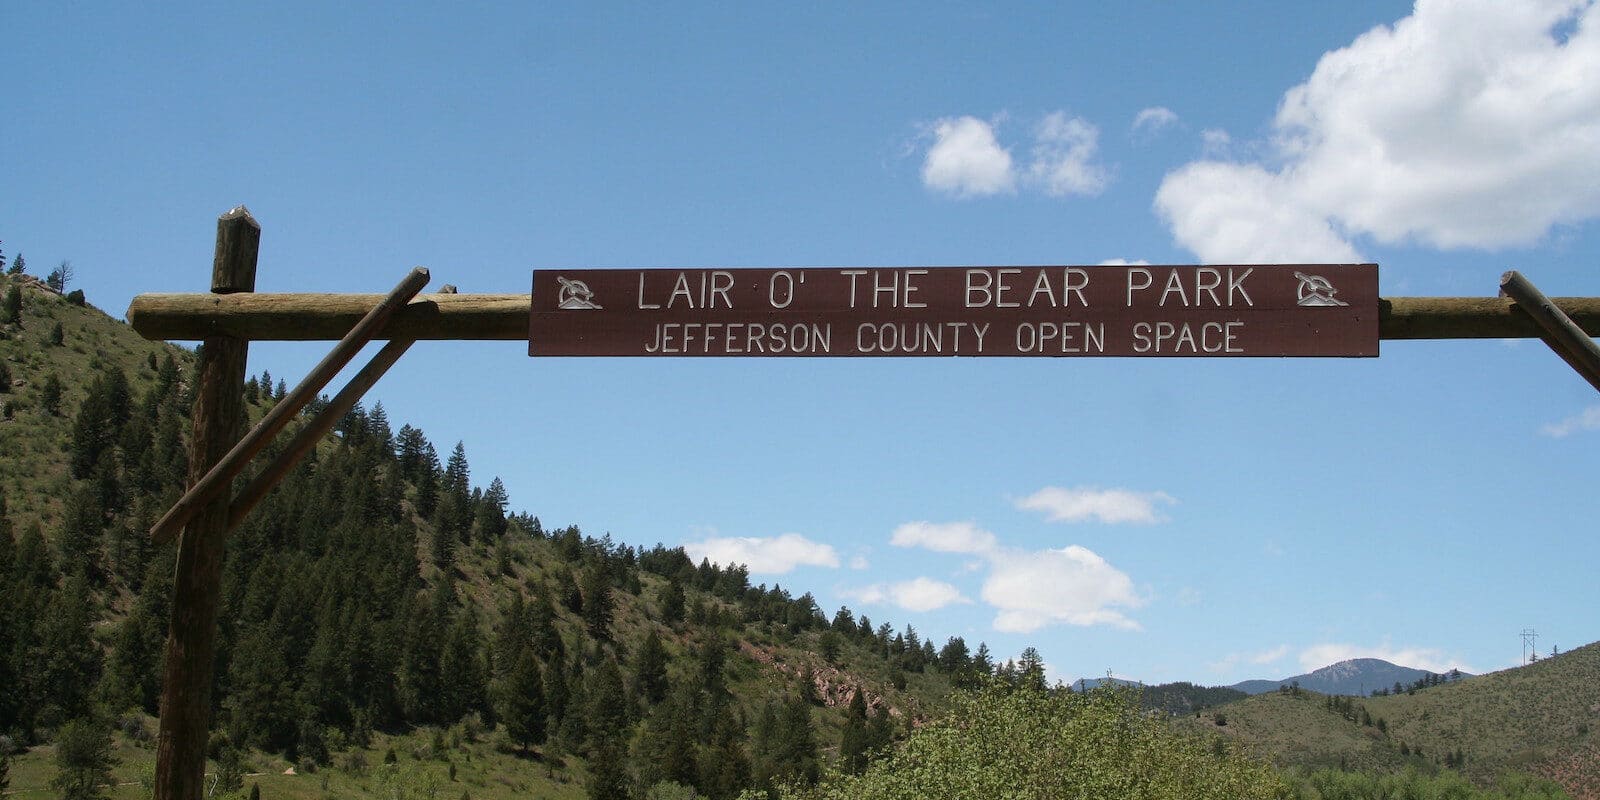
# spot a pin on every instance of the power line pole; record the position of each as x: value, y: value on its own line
x: 1530, y: 652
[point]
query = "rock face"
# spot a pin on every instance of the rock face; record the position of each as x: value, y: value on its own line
x: 832, y: 686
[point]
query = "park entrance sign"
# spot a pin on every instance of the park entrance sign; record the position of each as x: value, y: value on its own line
x: 1204, y: 311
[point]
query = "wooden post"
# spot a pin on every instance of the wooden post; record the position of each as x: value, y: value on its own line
x: 191, y: 636
x: 1563, y: 335
x: 219, y: 478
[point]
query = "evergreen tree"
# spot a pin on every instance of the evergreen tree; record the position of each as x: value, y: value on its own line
x: 50, y: 395
x: 83, y: 760
x: 456, y: 492
x: 461, y: 670
x: 853, y: 742
x: 608, y: 777
x: 671, y: 599
x: 5, y: 378
x: 650, y: 670
x: 491, y: 515
x: 724, y: 766
x: 607, y: 713
x: 68, y: 663
x: 13, y: 304
x: 522, y: 706
x: 18, y: 265
x: 598, y: 605
x: 426, y: 478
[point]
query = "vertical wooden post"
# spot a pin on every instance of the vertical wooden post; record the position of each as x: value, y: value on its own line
x: 191, y: 636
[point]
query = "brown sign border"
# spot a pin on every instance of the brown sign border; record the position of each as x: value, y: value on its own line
x: 1164, y: 310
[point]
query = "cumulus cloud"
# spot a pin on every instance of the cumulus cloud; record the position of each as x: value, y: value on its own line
x: 1072, y: 585
x: 917, y: 594
x: 1586, y: 420
x: 1151, y: 120
x: 966, y: 160
x: 1264, y: 657
x: 1428, y: 658
x: 1466, y: 124
x: 1123, y: 262
x: 1028, y: 590
x: 773, y: 555
x: 1083, y: 503
x: 1269, y: 656
x: 944, y: 537
x: 1243, y: 214
x: 1063, y: 152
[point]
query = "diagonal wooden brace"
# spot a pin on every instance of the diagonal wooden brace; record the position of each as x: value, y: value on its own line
x: 318, y: 427
x: 1562, y: 334
x: 221, y: 476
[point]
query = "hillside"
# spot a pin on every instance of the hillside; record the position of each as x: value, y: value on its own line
x: 1539, y: 718
x: 379, y: 601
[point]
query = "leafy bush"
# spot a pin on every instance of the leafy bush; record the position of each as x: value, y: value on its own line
x: 999, y: 743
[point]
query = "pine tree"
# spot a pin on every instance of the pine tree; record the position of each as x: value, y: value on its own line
x: 461, y: 670
x: 853, y: 741
x: 607, y: 713
x: 671, y: 600
x: 724, y: 766
x: 18, y: 265
x: 598, y: 605
x: 650, y: 670
x: 50, y: 395
x: 83, y: 760
x: 491, y: 515
x: 522, y: 706
x: 68, y: 663
x: 5, y: 378
x: 13, y: 303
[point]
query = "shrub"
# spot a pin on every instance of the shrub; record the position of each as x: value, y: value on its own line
x: 1003, y: 742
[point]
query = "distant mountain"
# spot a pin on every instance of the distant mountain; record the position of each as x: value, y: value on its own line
x: 1085, y: 684
x: 1357, y: 676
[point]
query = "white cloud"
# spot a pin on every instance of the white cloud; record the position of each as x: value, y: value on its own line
x: 1072, y: 585
x: 1153, y: 119
x: 1428, y: 658
x: 917, y: 594
x: 1028, y: 590
x: 1062, y: 153
x: 1123, y: 262
x: 1215, y: 140
x: 858, y: 562
x: 1269, y: 656
x: 966, y: 160
x: 1231, y: 661
x: 770, y: 555
x: 1079, y: 504
x: 1242, y: 214
x: 1466, y: 124
x: 944, y: 537
x: 1586, y: 420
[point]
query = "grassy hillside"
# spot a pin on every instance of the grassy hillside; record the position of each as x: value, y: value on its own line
x: 33, y: 472
x: 1541, y: 719
x: 375, y: 601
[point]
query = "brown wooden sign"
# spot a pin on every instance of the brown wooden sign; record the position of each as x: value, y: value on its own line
x: 1207, y: 311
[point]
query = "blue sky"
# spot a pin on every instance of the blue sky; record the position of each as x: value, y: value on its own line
x: 1164, y: 519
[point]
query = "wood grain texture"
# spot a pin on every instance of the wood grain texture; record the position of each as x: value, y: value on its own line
x: 504, y: 317
x: 190, y: 655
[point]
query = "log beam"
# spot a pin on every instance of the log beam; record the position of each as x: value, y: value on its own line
x: 504, y: 317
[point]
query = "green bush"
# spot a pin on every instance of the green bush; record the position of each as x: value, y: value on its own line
x: 999, y: 743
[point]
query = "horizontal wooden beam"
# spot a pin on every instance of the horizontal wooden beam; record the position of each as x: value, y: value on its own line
x: 504, y: 317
